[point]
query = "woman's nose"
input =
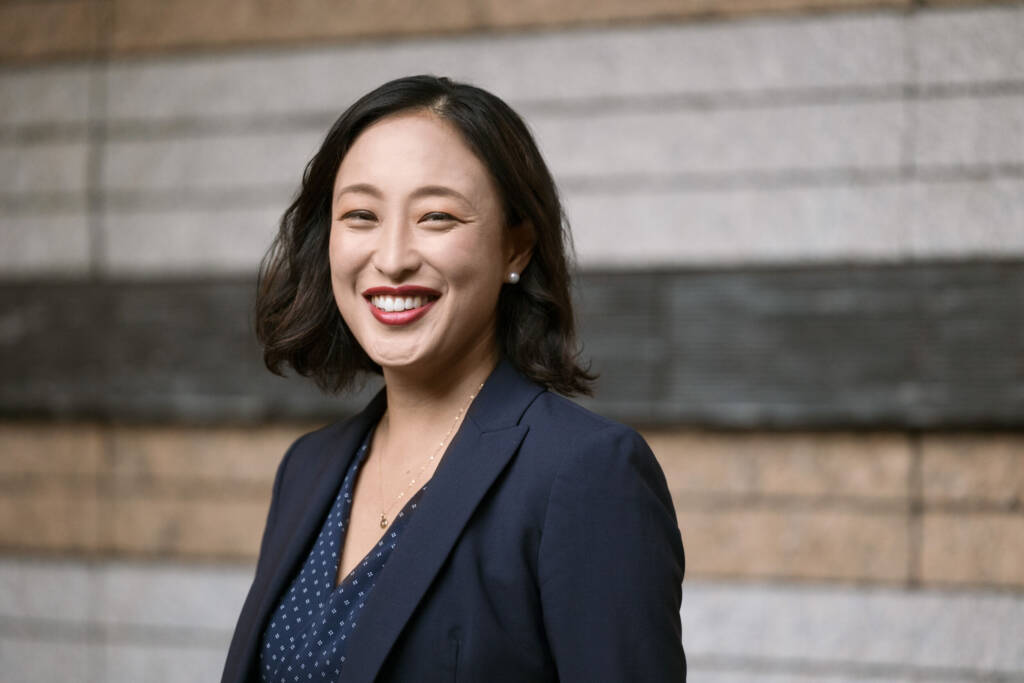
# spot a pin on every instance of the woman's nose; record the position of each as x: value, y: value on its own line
x: 395, y: 255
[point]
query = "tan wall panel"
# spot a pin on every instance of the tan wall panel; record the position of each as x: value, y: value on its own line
x: 183, y: 527
x: 795, y: 544
x: 147, y: 26
x: 34, y: 30
x: 49, y: 487
x: 74, y: 28
x: 48, y: 29
x: 976, y: 549
x: 967, y: 3
x: 50, y: 449
x: 221, y: 455
x: 973, y: 468
x: 815, y: 506
x: 802, y: 464
x: 539, y: 12
x: 49, y: 515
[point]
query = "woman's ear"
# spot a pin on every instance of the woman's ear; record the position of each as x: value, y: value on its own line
x: 519, y: 247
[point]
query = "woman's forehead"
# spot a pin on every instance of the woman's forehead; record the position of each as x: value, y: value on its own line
x: 405, y: 152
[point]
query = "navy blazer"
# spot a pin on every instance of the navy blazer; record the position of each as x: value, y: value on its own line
x: 546, y: 548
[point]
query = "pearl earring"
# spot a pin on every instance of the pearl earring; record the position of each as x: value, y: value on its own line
x: 513, y: 277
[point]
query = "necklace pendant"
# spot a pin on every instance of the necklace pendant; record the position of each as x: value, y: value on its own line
x: 383, y: 521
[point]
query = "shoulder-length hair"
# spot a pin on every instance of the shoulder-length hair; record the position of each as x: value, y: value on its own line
x: 297, y: 320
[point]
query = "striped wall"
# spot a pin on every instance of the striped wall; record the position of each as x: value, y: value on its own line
x: 845, y: 166
x: 801, y: 249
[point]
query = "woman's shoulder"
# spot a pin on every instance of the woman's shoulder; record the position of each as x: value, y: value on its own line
x: 324, y: 435
x: 310, y: 451
x: 593, y: 461
x: 564, y: 429
x: 572, y: 419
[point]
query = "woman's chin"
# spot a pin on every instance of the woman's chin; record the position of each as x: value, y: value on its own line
x: 398, y: 359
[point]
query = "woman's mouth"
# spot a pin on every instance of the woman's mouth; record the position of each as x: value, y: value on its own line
x: 399, y: 305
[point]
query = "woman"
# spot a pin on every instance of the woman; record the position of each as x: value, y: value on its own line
x: 470, y: 524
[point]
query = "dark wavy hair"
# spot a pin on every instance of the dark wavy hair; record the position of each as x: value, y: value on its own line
x: 297, y: 320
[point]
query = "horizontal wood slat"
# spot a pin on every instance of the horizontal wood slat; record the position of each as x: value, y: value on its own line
x: 924, y: 345
x: 85, y: 28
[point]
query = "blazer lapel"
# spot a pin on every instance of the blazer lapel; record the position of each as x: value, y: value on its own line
x: 481, y: 449
x: 329, y: 469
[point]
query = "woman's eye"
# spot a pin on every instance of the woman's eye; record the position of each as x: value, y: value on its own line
x: 437, y: 216
x: 358, y: 216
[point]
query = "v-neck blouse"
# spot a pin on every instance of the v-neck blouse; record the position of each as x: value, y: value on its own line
x: 308, y: 633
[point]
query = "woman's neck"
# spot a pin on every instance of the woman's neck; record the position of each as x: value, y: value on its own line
x: 420, y: 404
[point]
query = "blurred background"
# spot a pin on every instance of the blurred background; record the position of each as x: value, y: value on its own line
x: 800, y: 238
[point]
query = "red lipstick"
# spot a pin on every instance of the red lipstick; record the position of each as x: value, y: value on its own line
x: 401, y: 317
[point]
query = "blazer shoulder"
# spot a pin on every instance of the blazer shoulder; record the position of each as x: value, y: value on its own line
x: 312, y: 440
x: 564, y: 436
x: 553, y: 412
x: 308, y: 451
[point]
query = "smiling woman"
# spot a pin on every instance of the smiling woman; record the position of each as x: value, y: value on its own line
x: 472, y: 522
x: 415, y: 213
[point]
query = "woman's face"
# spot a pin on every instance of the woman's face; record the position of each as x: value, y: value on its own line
x: 418, y: 246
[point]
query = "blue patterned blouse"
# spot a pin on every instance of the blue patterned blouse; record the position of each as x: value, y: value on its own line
x: 307, y: 635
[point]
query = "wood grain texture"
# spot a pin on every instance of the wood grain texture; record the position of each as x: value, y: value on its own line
x: 58, y: 29
x: 921, y: 346
x: 32, y: 31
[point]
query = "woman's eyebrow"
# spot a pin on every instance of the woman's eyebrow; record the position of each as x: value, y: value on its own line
x: 360, y: 188
x: 418, y: 193
x: 439, y: 191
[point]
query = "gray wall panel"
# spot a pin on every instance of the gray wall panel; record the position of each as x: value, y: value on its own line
x: 47, y: 95
x: 44, y: 244
x: 182, y: 163
x: 967, y: 131
x: 126, y: 615
x: 720, y: 141
x: 666, y: 226
x: 148, y: 242
x: 851, y: 51
x: 45, y: 168
x: 935, y: 345
x: 968, y: 45
x: 170, y: 350
x: 872, y: 137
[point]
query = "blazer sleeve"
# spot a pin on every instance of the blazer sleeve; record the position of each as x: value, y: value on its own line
x: 235, y: 666
x: 611, y: 565
x: 275, y: 501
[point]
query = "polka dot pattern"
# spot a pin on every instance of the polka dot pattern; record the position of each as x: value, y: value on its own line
x: 307, y: 635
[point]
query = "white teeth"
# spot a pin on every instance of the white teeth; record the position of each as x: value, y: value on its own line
x: 393, y: 304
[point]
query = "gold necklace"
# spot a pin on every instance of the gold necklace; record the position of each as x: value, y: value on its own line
x: 440, y: 447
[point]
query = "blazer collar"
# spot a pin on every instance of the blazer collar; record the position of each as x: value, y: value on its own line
x: 481, y: 449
